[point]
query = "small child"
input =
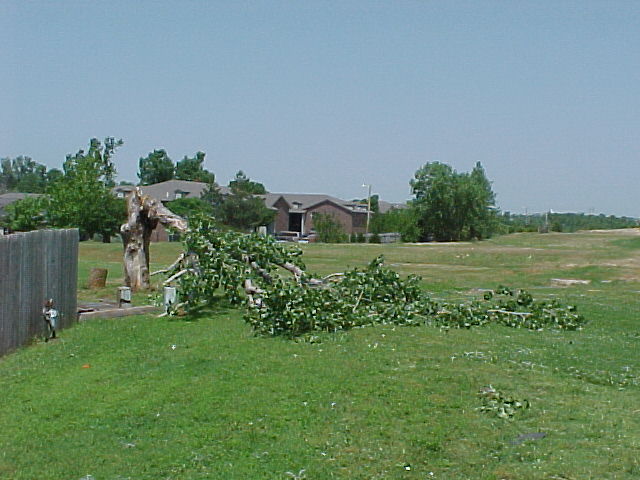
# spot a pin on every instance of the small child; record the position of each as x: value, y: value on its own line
x: 50, y: 315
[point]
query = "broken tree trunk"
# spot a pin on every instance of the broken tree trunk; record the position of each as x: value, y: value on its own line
x: 144, y: 214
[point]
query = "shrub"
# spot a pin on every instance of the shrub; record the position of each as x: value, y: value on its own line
x: 329, y: 230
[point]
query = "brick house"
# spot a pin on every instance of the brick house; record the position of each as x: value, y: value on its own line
x: 295, y: 212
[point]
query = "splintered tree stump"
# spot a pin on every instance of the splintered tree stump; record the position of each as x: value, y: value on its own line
x: 143, y: 215
x: 97, y: 278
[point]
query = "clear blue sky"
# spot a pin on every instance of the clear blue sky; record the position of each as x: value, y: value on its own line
x: 321, y: 96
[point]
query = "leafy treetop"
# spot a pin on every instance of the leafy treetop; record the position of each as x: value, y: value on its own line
x: 23, y: 174
x: 82, y: 197
x: 453, y: 206
x: 192, y: 168
x: 156, y: 167
x: 242, y: 183
x: 241, y: 210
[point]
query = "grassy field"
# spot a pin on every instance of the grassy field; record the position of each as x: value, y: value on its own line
x: 150, y: 398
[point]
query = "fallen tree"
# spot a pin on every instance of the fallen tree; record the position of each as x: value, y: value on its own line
x: 282, y: 298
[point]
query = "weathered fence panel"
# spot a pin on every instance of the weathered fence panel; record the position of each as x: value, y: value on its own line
x: 34, y: 267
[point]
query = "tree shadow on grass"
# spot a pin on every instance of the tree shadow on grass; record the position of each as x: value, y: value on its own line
x: 219, y: 307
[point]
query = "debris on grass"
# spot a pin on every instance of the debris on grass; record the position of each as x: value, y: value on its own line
x: 503, y: 406
x: 528, y: 436
x: 297, y: 476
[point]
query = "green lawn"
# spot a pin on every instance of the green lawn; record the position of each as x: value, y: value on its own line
x: 156, y: 398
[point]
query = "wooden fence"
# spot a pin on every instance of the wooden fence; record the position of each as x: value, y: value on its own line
x: 36, y: 266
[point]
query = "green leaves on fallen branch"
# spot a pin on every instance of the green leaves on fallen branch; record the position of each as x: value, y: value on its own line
x: 223, y: 260
x: 289, y: 302
x: 375, y: 295
x: 511, y: 308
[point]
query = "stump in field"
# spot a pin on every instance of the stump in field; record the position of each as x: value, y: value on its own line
x: 144, y: 214
x: 97, y: 278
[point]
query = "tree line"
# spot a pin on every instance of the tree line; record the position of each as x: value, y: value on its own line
x: 81, y: 194
x: 563, y: 222
x: 450, y: 206
x: 447, y: 206
x: 23, y: 174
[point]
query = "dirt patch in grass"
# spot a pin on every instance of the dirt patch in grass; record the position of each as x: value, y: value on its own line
x: 618, y: 231
x: 438, y: 266
x: 438, y: 244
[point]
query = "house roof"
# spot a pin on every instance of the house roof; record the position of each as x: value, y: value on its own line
x: 301, y: 202
x: 166, y: 191
x: 298, y: 202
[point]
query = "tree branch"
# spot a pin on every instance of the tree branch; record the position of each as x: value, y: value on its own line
x: 299, y: 273
x: 177, y: 275
x: 170, y: 267
x: 508, y: 312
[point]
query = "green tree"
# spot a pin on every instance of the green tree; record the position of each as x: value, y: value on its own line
x: 211, y: 193
x: 156, y: 167
x: 401, y: 220
x: 375, y: 199
x: 482, y: 220
x: 82, y: 197
x: 242, y: 210
x: 53, y: 175
x: 452, y: 206
x: 188, y: 207
x: 436, y: 188
x: 23, y: 174
x: 27, y: 214
x: 7, y: 179
x: 243, y: 183
x: 192, y: 168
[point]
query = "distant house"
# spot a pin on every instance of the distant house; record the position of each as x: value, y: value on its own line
x: 295, y: 212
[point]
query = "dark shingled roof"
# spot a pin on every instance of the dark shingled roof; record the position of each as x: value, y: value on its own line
x: 304, y: 201
x: 166, y: 191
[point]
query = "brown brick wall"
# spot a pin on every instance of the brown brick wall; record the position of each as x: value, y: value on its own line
x: 281, y: 220
x: 360, y: 222
x: 343, y: 216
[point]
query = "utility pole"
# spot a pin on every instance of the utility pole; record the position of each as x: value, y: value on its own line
x: 364, y: 185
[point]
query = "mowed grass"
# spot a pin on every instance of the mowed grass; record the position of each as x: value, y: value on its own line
x: 156, y: 398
